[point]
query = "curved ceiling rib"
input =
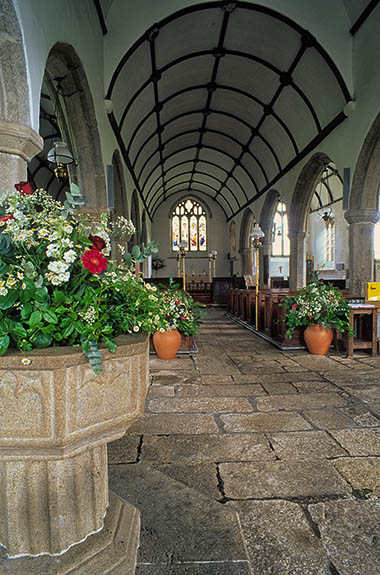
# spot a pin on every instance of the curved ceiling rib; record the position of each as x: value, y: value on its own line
x: 208, y: 88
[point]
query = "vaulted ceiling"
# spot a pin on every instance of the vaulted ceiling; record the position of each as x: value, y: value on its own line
x: 222, y: 98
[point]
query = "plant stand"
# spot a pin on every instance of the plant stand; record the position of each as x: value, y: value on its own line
x: 57, y: 417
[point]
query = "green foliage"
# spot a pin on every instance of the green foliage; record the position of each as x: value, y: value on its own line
x: 318, y: 303
x: 176, y: 309
x: 139, y: 254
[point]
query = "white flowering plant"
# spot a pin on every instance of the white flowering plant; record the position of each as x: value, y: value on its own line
x: 176, y: 309
x: 57, y: 283
x: 317, y: 303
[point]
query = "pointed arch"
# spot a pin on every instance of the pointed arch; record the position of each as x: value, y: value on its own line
x: 64, y: 64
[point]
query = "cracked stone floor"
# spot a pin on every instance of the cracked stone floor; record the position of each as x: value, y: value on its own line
x: 252, y: 460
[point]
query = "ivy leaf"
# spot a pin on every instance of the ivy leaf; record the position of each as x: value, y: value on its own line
x: 19, y: 331
x: 26, y: 310
x: 111, y: 345
x: 35, y: 319
x: 7, y: 301
x: 41, y: 295
x: 43, y: 340
x: 50, y: 316
x: 4, y: 343
x: 58, y: 297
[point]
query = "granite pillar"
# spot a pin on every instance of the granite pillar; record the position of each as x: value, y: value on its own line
x: 361, y: 248
x: 297, y: 263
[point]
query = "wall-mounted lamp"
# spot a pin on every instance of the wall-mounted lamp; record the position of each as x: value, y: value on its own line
x: 62, y: 157
x: 256, y: 236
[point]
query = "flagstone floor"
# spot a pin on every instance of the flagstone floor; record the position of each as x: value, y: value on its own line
x: 251, y: 460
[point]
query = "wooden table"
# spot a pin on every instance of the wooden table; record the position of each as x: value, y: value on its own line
x: 363, y: 320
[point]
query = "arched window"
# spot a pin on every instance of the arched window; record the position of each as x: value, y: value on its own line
x: 281, y: 244
x: 189, y: 225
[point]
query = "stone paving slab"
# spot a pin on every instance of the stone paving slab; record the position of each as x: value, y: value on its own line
x: 156, y: 424
x: 217, y: 568
x: 359, y: 441
x: 300, y: 401
x: 283, y: 479
x: 124, y: 450
x: 327, y: 418
x: 202, y: 404
x: 177, y: 523
x: 260, y: 422
x: 217, y: 379
x: 178, y: 364
x: 300, y: 444
x: 363, y: 474
x: 350, y: 532
x: 203, y: 448
x: 350, y: 377
x: 265, y: 367
x: 199, y: 476
x: 361, y: 416
x: 317, y: 362
x: 233, y: 390
x: 279, y: 387
x: 315, y: 387
x: 279, y: 539
x: 302, y: 376
x: 214, y: 367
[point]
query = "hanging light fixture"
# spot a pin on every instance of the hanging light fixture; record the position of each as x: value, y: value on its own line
x: 62, y: 157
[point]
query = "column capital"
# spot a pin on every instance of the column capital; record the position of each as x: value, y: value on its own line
x: 19, y: 140
x: 362, y: 216
x: 296, y: 235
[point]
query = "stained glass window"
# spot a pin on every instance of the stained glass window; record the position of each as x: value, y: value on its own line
x: 189, y: 225
x: 281, y: 244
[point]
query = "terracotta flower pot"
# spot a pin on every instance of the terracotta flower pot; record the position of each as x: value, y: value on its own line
x: 318, y: 339
x: 167, y: 343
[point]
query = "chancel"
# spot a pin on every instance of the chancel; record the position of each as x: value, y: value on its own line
x: 234, y: 148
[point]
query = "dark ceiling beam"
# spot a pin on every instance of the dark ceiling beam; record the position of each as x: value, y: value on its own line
x: 187, y: 191
x: 363, y: 16
x: 218, y: 132
x: 212, y: 177
x: 306, y: 150
x: 215, y: 149
x: 102, y: 21
x: 189, y: 161
x: 326, y: 205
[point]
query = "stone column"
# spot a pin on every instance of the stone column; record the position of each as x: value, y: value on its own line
x: 265, y: 253
x: 361, y: 249
x: 297, y: 264
x: 246, y: 261
x: 18, y: 145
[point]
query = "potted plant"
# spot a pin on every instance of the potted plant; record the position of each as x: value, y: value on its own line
x: 60, y: 296
x: 158, y: 263
x: 178, y: 314
x: 320, y: 308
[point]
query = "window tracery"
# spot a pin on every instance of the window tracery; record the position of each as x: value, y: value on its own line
x: 189, y: 225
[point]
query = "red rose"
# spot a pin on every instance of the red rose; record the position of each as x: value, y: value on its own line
x: 182, y: 317
x: 25, y: 188
x: 97, y: 243
x: 6, y: 218
x: 94, y: 261
x: 294, y: 306
x: 310, y: 315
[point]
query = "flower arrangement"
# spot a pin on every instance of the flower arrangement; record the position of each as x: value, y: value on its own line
x: 317, y: 303
x: 178, y: 310
x: 57, y: 283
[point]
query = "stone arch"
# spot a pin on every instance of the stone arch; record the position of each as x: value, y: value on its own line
x: 246, y: 226
x: 363, y: 210
x: 14, y: 93
x: 65, y: 68
x: 144, y: 231
x: 266, y: 223
x: 297, y: 217
x: 135, y: 217
x: 120, y: 192
x: 18, y: 142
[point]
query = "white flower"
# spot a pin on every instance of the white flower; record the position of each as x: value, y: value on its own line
x: 58, y: 267
x: 67, y: 228
x: 54, y: 236
x: 43, y: 233
x: 3, y: 291
x: 26, y: 361
x: 64, y: 277
x: 66, y: 243
x: 52, y: 250
x: 70, y: 256
x: 136, y: 328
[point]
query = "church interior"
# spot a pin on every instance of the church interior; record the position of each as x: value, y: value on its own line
x: 243, y: 139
